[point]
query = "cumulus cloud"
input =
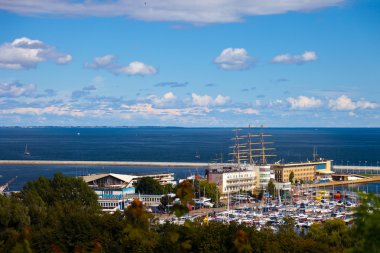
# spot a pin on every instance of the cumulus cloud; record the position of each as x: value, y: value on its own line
x: 197, y: 12
x: 206, y: 100
x: 16, y: 89
x: 344, y: 103
x: 234, y: 59
x: 108, y: 62
x: 25, y: 53
x: 307, y: 56
x: 167, y: 99
x: 303, y: 102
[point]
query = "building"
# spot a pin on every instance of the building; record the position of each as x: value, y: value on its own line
x: 232, y: 178
x: 124, y: 180
x: 306, y: 171
x: 116, y: 191
x: 264, y: 176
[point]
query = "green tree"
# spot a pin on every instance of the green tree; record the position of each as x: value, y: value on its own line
x: 148, y: 185
x: 291, y: 177
x: 210, y: 190
x: 184, y: 191
x: 137, y: 234
x: 271, y: 188
x: 366, y: 229
x: 14, y: 226
x: 334, y: 234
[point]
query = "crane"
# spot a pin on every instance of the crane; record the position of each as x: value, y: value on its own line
x: 3, y: 187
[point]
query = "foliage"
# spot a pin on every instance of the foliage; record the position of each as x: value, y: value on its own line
x: 291, y: 177
x: 367, y: 224
x: 148, y: 185
x: 184, y: 191
x: 210, y: 190
x: 334, y: 234
x: 166, y: 200
x: 58, y: 215
x: 271, y: 188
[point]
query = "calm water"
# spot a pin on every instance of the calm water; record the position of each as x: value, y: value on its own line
x: 344, y: 146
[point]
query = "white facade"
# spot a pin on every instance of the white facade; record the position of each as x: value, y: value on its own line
x: 264, y: 176
x: 232, y: 178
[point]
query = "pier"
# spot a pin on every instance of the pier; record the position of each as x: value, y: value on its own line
x: 104, y: 163
x: 356, y: 169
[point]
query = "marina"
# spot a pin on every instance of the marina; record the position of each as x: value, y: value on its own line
x: 305, y: 208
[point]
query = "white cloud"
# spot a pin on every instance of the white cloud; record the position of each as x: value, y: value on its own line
x: 146, y: 109
x: 52, y: 110
x: 344, y: 103
x: 24, y: 53
x: 198, y: 11
x: 16, y: 89
x: 234, y: 59
x: 352, y: 114
x: 137, y: 68
x: 221, y: 100
x: 167, y: 99
x: 303, y: 102
x: 240, y: 110
x: 307, y: 56
x: 206, y: 100
x: 107, y: 62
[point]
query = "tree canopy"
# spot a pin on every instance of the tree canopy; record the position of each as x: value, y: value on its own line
x: 148, y: 185
x: 60, y: 215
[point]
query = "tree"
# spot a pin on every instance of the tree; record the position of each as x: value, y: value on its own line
x: 137, y: 234
x: 366, y: 227
x: 291, y: 177
x: 210, y: 190
x: 184, y: 191
x: 271, y: 188
x: 166, y: 200
x: 148, y: 185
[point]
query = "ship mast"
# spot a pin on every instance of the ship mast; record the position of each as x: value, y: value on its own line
x: 237, y: 154
x: 262, y: 151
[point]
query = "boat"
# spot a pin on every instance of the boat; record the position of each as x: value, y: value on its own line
x: 26, y: 152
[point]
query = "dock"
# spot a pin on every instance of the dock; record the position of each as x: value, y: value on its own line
x: 104, y: 163
x: 357, y: 169
x: 367, y: 180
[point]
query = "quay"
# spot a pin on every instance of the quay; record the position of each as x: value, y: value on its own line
x: 348, y: 182
x: 357, y: 169
x: 103, y: 163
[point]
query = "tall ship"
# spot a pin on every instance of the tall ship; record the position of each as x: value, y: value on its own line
x: 247, y: 170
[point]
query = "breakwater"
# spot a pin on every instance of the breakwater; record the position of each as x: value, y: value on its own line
x: 104, y: 163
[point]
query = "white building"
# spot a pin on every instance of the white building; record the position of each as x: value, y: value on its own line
x: 232, y: 178
x: 264, y: 176
x: 116, y: 191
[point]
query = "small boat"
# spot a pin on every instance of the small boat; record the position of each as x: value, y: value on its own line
x: 26, y: 152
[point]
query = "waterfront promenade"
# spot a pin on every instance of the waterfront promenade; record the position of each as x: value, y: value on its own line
x: 104, y: 163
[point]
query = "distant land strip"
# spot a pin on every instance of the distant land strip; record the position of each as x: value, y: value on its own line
x: 103, y: 163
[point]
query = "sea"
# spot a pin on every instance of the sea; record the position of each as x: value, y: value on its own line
x: 346, y: 146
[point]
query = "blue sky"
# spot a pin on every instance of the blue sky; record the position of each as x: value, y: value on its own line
x: 290, y: 63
